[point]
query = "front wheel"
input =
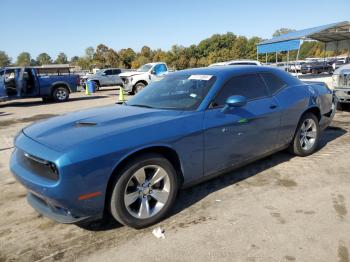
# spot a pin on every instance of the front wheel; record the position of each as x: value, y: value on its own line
x: 138, y: 87
x: 61, y: 94
x: 145, y: 191
x: 306, y: 137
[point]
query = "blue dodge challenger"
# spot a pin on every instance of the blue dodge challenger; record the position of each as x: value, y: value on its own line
x: 130, y: 160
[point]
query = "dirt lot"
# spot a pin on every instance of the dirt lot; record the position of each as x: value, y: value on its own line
x: 282, y: 208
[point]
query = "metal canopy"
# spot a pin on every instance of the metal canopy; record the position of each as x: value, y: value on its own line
x: 331, y: 33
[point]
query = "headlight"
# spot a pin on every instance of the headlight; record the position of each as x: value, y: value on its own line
x: 335, y: 81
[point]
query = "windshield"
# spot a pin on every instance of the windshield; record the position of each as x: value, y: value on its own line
x: 184, y: 92
x: 144, y: 68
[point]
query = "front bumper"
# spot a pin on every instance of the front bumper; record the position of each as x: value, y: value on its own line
x: 343, y: 94
x: 51, y: 211
x: 56, y: 199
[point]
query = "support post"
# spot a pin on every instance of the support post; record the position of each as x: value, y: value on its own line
x: 297, y: 58
x: 266, y: 58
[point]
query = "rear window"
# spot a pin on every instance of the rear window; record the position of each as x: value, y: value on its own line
x: 52, y: 71
x: 273, y: 82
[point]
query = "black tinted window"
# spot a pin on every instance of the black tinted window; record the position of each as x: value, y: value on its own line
x: 273, y: 82
x: 116, y: 71
x: 108, y: 72
x: 250, y: 86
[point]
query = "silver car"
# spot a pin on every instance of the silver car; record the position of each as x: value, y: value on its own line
x: 341, y: 84
x: 105, y: 77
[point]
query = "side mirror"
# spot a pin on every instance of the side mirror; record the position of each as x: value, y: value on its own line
x: 235, y: 101
x: 153, y: 72
x: 103, y: 73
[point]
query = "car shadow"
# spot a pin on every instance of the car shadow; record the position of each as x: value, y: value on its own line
x: 40, y: 102
x: 190, y: 196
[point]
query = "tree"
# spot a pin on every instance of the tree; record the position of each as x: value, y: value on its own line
x: 282, y: 31
x: 61, y: 58
x: 23, y: 59
x: 5, y: 60
x: 112, y: 58
x: 100, y: 56
x: 74, y: 60
x: 126, y: 57
x: 43, y: 59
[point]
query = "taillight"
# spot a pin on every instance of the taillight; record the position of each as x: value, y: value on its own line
x: 78, y: 80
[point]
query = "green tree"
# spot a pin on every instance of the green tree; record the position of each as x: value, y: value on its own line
x: 126, y: 57
x: 282, y: 31
x: 5, y: 60
x: 23, y: 59
x: 43, y: 59
x: 100, y: 56
x: 61, y: 58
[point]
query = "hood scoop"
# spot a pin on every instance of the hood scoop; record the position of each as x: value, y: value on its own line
x: 84, y: 123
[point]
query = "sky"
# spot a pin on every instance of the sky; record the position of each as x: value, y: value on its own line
x: 69, y: 26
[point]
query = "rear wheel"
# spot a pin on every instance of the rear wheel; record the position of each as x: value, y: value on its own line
x: 306, y: 137
x: 60, y: 94
x: 145, y: 191
x: 98, y: 86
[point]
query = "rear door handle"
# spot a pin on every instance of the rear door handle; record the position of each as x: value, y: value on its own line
x: 273, y: 106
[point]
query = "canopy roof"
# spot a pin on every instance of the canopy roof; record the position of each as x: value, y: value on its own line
x: 331, y: 33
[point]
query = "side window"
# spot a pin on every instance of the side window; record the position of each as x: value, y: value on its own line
x: 1, y: 73
x: 116, y: 71
x: 251, y: 86
x: 161, y: 68
x: 108, y: 72
x: 273, y: 82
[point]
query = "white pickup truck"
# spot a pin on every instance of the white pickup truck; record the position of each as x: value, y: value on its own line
x: 134, y: 81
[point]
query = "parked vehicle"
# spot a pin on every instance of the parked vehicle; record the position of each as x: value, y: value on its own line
x: 295, y: 66
x: 135, y: 81
x: 341, y: 85
x: 50, y: 83
x: 237, y: 62
x: 104, y: 77
x: 130, y: 160
x: 316, y: 68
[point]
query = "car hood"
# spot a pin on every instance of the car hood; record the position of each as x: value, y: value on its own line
x: 67, y: 131
x: 131, y: 73
x: 342, y: 69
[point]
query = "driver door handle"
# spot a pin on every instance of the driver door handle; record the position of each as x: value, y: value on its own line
x: 273, y: 106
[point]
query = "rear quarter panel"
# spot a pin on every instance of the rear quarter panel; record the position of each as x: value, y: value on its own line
x: 47, y: 82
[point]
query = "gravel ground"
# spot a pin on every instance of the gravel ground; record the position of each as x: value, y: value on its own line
x: 281, y: 208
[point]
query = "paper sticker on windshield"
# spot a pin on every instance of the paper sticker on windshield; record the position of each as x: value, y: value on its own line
x: 200, y: 77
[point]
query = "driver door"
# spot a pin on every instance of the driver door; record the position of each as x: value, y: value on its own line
x: 239, y: 134
x: 3, y: 94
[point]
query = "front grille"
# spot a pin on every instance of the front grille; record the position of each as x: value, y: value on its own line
x: 36, y: 165
x: 125, y: 80
x: 344, y: 81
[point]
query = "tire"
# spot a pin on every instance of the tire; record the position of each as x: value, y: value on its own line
x: 299, y: 146
x: 98, y: 86
x: 133, y: 211
x: 138, y: 87
x: 60, y: 94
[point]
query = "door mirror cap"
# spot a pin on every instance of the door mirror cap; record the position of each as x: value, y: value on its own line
x: 153, y: 72
x: 236, y: 101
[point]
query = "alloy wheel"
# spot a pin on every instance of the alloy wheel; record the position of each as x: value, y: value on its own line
x: 147, y: 191
x: 308, y: 134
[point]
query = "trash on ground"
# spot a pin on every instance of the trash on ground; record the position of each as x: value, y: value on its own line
x: 158, y: 233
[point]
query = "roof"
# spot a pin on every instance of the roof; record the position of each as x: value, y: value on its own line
x: 325, y: 33
x: 236, y: 62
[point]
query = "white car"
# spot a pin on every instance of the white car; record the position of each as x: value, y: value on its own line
x: 135, y: 81
x: 237, y: 62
